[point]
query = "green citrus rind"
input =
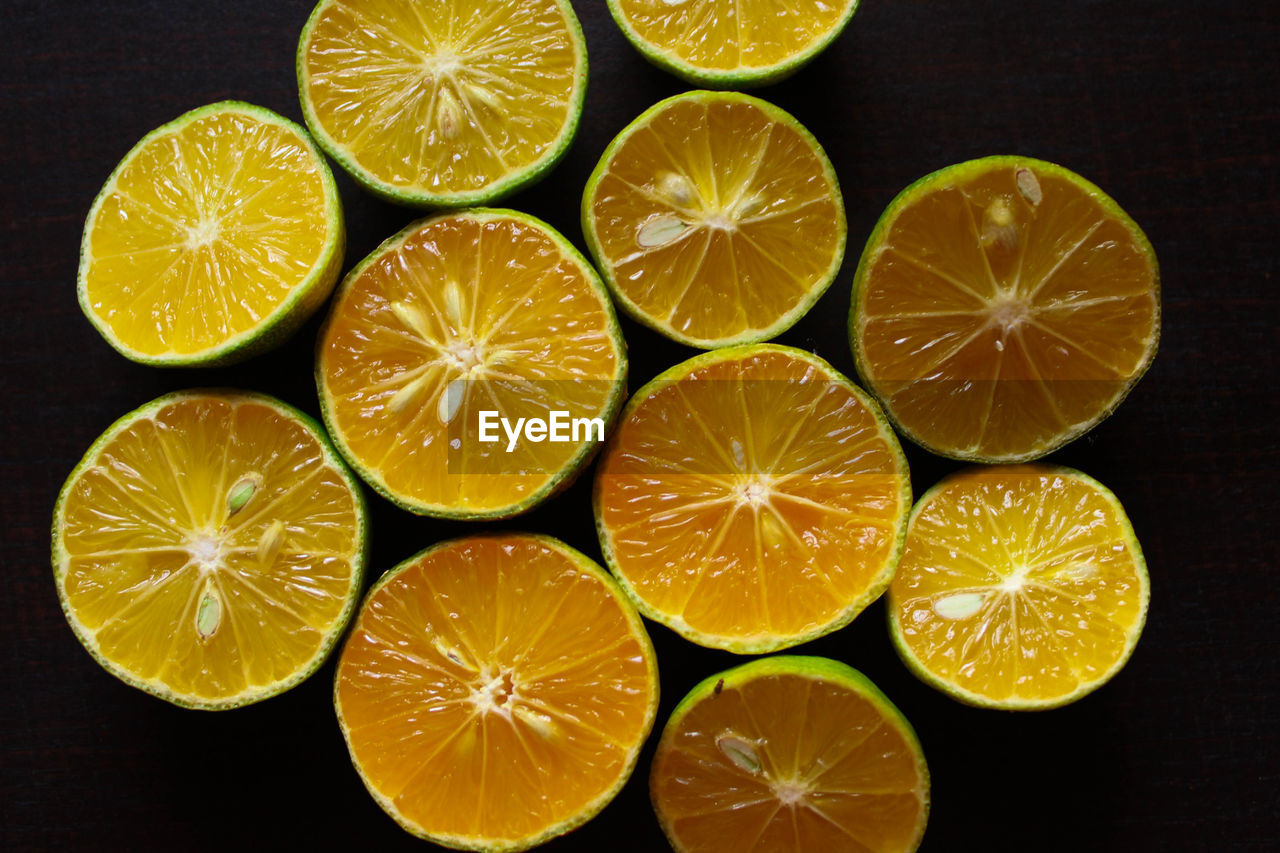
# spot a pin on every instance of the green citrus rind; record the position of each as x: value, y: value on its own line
x: 359, y: 559
x: 784, y: 322
x: 765, y: 642
x: 484, y: 845
x: 817, y: 669
x: 925, y: 185
x: 968, y: 697
x: 423, y: 199
x: 738, y: 78
x: 573, y: 467
x: 284, y: 320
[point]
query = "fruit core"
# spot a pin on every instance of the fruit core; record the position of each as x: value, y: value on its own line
x: 745, y: 755
x: 204, y: 233
x: 754, y: 490
x: 694, y: 209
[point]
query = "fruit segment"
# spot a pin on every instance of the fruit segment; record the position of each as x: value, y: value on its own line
x: 456, y: 315
x: 752, y: 498
x: 715, y: 218
x: 214, y: 237
x: 495, y: 691
x: 731, y: 42
x: 789, y: 754
x: 208, y: 549
x: 1003, y: 307
x: 443, y: 103
x: 1019, y: 587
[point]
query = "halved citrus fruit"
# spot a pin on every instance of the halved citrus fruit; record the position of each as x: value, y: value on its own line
x: 1002, y: 308
x: 443, y: 105
x: 752, y: 498
x: 716, y: 219
x: 215, y: 237
x: 209, y: 547
x: 731, y: 43
x: 495, y: 691
x: 1020, y: 587
x: 487, y: 310
x: 790, y: 755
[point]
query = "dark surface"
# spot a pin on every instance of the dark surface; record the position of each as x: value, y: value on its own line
x: 1170, y: 106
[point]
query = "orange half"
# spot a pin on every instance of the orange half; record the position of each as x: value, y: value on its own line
x: 495, y: 691
x: 731, y: 44
x: 1002, y: 308
x: 209, y: 547
x: 487, y: 310
x: 443, y: 104
x: 752, y: 498
x: 1019, y: 587
x: 716, y: 219
x: 215, y: 238
x: 790, y: 755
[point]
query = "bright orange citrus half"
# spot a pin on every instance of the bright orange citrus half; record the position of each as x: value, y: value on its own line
x: 790, y: 755
x: 752, y: 498
x: 495, y: 691
x: 484, y: 310
x: 715, y: 218
x: 1002, y: 308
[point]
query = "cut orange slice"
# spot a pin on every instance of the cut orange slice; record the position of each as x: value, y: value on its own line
x: 1019, y: 588
x: 443, y: 104
x: 716, y: 219
x: 1002, y: 308
x: 790, y: 755
x: 731, y: 43
x: 495, y: 691
x: 215, y: 237
x: 208, y: 548
x: 752, y: 498
x: 486, y: 310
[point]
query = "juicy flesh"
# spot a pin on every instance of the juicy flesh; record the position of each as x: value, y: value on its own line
x: 170, y: 585
x: 788, y: 763
x: 726, y: 35
x: 754, y: 499
x: 442, y: 97
x: 1005, y: 311
x: 494, y: 690
x: 206, y: 231
x: 1018, y: 584
x: 494, y: 306
x: 716, y: 220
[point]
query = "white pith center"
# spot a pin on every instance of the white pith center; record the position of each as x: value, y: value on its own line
x: 693, y: 209
x: 1009, y: 312
x: 746, y: 754
x: 754, y: 490
x: 467, y: 356
x: 203, y: 233
x: 1013, y: 584
x: 205, y: 549
x: 494, y: 692
x: 444, y: 62
x: 790, y: 791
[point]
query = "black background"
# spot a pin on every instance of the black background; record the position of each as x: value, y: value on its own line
x: 1171, y: 107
